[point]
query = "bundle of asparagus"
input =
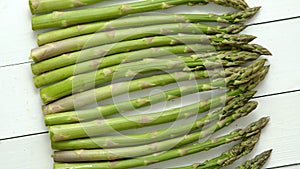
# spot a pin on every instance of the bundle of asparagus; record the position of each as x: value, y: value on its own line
x: 100, y: 56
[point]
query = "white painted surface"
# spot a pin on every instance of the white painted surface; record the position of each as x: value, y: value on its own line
x: 283, y: 76
x: 20, y: 104
x: 282, y: 135
x: 17, y: 38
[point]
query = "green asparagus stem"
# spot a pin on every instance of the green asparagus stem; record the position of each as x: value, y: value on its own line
x: 68, y: 18
x: 159, y: 135
x: 99, y: 127
x: 86, y: 41
x: 250, y: 130
x: 128, y: 46
x: 258, y: 162
x: 92, y: 65
x: 137, y: 151
x: 82, y: 82
x: 109, y: 91
x: 228, y: 157
x: 98, y: 94
x: 145, y: 20
x: 107, y: 110
x: 43, y: 6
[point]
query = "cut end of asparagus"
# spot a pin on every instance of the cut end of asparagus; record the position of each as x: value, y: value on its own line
x: 33, y: 4
x: 33, y: 56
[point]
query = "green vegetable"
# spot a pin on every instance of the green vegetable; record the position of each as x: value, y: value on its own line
x: 139, y: 21
x: 137, y: 151
x: 89, y: 97
x: 166, y: 46
x: 258, y: 162
x: 228, y: 157
x: 99, y: 127
x: 159, y: 135
x: 107, y: 110
x: 43, y: 6
x: 86, y: 41
x: 252, y: 129
x: 83, y: 82
x: 68, y: 18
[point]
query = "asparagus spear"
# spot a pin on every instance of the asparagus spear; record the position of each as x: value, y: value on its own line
x: 137, y: 151
x: 102, y: 111
x: 127, y: 46
x: 108, y: 91
x: 86, y: 41
x: 91, y: 65
x: 258, y: 162
x: 43, y: 6
x: 228, y: 157
x: 159, y: 135
x: 250, y: 130
x: 98, y: 94
x: 137, y: 21
x: 68, y: 18
x: 82, y: 82
x: 98, y: 127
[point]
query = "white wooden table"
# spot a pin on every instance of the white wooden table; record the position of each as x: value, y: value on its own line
x: 24, y: 142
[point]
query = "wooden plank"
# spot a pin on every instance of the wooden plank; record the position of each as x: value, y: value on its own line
x: 25, y: 109
x: 26, y: 153
x: 17, y: 44
x: 20, y: 103
x: 16, y: 36
x: 287, y: 167
x: 281, y: 135
x: 280, y: 39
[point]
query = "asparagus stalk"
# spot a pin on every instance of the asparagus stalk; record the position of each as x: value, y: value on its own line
x: 159, y: 135
x: 258, y: 162
x: 98, y: 94
x: 68, y: 18
x: 82, y: 82
x: 99, y: 127
x: 137, y: 151
x: 127, y: 46
x: 139, y: 21
x: 228, y: 157
x: 44, y: 6
x: 109, y: 91
x: 250, y: 130
x: 107, y: 110
x: 236, y: 58
x: 86, y: 41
